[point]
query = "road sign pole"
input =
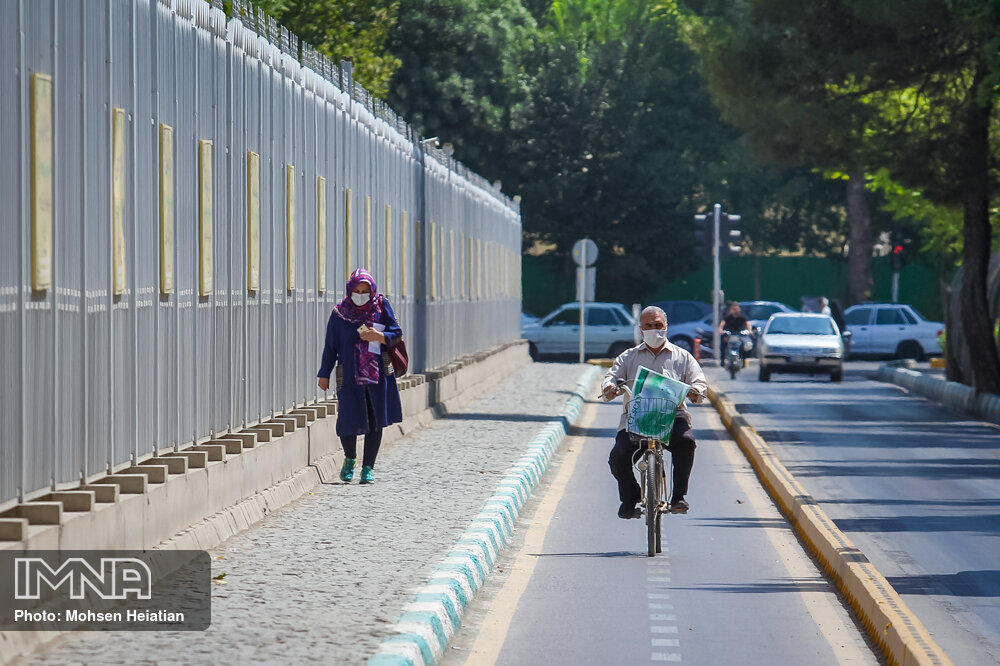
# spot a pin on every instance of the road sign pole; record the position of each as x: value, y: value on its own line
x: 583, y: 294
x: 716, y: 281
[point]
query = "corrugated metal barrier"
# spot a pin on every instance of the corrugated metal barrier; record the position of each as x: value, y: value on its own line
x: 183, y: 196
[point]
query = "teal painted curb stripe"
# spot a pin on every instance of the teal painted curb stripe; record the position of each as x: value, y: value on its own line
x: 501, y: 511
x: 445, y: 601
x: 455, y: 587
x: 471, y: 557
x: 487, y: 551
x: 386, y: 659
x: 416, y: 639
x: 427, y: 618
x: 482, y: 534
x: 462, y: 569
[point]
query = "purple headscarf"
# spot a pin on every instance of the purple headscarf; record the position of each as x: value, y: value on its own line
x: 366, y: 363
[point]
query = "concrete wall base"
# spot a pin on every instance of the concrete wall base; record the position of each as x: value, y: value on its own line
x: 206, y: 505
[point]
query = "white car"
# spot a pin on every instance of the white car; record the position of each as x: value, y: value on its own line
x: 608, y: 331
x: 801, y: 342
x: 892, y: 329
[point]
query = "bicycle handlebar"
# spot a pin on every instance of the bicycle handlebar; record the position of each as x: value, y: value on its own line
x: 623, y: 387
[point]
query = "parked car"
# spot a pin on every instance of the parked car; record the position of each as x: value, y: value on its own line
x: 758, y: 312
x: 684, y: 334
x: 801, y: 342
x: 679, y: 312
x: 893, y: 329
x: 608, y: 331
x: 527, y: 319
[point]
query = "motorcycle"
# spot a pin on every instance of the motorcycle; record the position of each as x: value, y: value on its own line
x: 738, y: 345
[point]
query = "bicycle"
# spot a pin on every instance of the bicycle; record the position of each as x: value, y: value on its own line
x: 650, y: 420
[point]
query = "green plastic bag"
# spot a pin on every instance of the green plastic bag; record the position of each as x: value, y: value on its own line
x: 655, y: 401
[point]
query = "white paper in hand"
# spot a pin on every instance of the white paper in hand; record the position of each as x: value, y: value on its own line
x: 376, y: 347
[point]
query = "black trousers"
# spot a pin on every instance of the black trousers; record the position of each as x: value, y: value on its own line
x: 682, y: 446
x: 373, y: 438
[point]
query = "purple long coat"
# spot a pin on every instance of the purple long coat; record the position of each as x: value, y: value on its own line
x: 341, y: 338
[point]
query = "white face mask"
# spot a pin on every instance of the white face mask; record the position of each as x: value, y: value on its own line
x: 360, y: 299
x: 654, y: 337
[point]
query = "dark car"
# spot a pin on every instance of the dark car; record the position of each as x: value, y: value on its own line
x: 679, y: 312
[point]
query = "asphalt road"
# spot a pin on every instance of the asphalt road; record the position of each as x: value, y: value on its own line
x: 915, y: 485
x: 733, y: 584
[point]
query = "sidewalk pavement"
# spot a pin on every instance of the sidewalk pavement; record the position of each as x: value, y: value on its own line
x: 324, y: 579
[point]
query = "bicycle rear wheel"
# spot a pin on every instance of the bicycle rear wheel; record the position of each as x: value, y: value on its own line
x: 652, y: 482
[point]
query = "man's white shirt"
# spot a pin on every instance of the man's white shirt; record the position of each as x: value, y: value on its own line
x: 670, y: 360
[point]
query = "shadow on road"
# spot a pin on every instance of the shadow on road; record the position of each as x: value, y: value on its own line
x: 781, y: 586
x: 961, y: 584
x: 977, y: 523
x: 614, y: 553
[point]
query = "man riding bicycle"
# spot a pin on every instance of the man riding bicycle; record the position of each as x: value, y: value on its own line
x: 659, y: 355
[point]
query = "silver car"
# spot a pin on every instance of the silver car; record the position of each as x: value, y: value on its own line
x: 608, y: 331
x: 892, y: 328
x: 801, y: 342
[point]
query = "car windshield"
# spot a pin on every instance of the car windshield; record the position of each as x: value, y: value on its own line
x: 801, y: 326
x: 917, y: 314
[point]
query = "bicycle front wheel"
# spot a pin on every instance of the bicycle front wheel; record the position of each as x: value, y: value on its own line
x: 652, y: 482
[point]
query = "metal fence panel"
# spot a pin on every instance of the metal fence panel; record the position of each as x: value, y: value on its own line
x: 112, y: 366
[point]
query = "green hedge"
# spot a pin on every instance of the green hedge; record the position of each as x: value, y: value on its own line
x: 548, y: 282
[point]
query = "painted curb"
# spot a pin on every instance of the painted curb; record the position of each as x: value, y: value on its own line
x: 953, y: 394
x: 424, y: 630
x: 889, y: 622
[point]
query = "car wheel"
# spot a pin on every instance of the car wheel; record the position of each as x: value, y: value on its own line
x: 617, y: 349
x: 685, y: 343
x: 533, y: 351
x: 837, y: 375
x: 910, y: 349
x: 764, y: 374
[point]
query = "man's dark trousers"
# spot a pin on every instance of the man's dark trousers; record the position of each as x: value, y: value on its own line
x: 681, y: 447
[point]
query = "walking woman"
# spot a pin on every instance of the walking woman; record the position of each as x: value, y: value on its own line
x: 361, y: 327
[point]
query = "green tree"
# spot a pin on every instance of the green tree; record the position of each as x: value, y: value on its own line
x: 461, y: 76
x: 909, y: 85
x: 345, y: 29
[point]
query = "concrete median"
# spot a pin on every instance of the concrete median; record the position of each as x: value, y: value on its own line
x: 889, y: 622
x: 952, y: 394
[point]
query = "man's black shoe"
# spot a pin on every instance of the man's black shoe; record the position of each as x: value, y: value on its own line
x: 627, y: 511
x: 679, y: 506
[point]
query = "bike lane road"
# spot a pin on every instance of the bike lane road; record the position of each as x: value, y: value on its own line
x: 733, y: 584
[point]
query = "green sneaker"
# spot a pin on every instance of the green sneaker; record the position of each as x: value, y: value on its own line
x: 367, y: 475
x: 347, y: 471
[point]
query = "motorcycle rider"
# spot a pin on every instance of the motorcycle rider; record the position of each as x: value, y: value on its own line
x: 733, y: 322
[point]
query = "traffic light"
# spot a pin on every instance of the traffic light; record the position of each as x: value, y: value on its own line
x: 703, y: 236
x: 898, y: 257
x: 729, y: 236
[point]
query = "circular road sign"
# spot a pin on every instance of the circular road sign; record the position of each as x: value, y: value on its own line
x: 591, y: 251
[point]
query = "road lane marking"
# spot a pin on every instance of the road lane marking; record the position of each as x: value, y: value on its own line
x: 658, y: 617
x: 665, y: 656
x: 827, y: 615
x: 493, y: 633
x: 666, y: 642
x: 661, y: 606
x: 662, y: 629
